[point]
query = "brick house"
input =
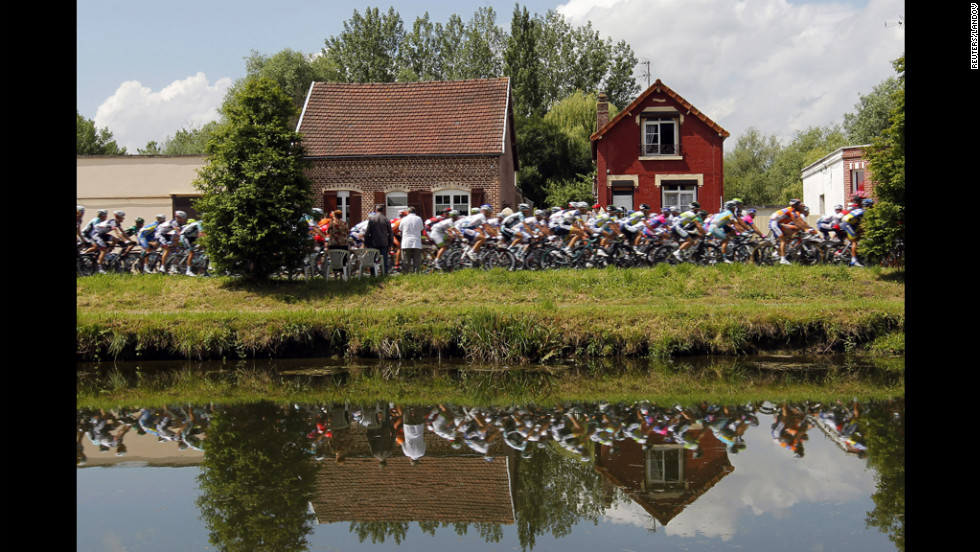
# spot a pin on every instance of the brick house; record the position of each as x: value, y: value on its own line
x: 423, y: 144
x: 659, y: 150
x: 835, y: 178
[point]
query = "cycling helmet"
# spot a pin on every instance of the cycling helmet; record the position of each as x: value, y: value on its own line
x: 838, y: 207
x: 540, y: 213
x: 665, y: 210
x: 119, y: 214
x: 486, y: 207
x: 523, y: 207
x: 474, y: 210
x: 750, y: 211
x: 139, y: 220
x: 79, y: 209
x: 161, y: 217
x: 730, y: 204
x: 644, y: 207
x: 318, y: 211
x: 675, y: 209
x: 737, y: 200
x: 452, y: 213
x: 695, y: 205
x: 103, y: 212
x: 795, y: 203
x: 868, y: 202
x: 180, y: 214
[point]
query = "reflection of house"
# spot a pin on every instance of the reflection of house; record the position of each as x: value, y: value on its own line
x: 666, y: 478
x: 429, y: 145
x: 447, y: 485
x: 141, y: 185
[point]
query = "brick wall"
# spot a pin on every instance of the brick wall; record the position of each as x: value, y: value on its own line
x: 370, y: 176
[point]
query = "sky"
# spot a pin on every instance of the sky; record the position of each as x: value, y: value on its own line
x: 147, y: 69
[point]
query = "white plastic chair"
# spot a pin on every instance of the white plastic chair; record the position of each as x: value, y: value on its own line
x: 369, y: 261
x: 337, y: 259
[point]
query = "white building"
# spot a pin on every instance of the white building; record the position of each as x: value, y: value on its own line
x: 835, y: 178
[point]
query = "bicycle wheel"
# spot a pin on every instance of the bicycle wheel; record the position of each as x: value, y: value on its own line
x: 85, y: 264
x: 808, y: 254
x: 836, y: 253
x: 660, y: 254
x: 764, y: 254
x: 708, y: 254
x: 503, y: 258
x: 742, y: 253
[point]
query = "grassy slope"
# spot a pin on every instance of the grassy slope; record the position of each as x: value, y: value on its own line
x: 496, y: 316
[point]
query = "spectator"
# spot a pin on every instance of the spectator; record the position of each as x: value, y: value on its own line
x: 379, y: 235
x: 337, y: 231
x: 411, y: 243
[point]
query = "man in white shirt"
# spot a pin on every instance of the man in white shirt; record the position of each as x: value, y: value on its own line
x: 411, y: 228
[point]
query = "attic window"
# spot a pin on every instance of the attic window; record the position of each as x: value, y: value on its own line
x: 661, y: 136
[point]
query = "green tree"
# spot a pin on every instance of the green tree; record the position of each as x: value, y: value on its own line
x: 184, y: 142
x: 808, y: 146
x: 419, y: 52
x: 747, y: 166
x: 523, y: 66
x: 483, y: 45
x: 873, y: 113
x: 885, y: 223
x: 94, y: 141
x: 257, y: 480
x: 368, y: 49
x: 254, y: 192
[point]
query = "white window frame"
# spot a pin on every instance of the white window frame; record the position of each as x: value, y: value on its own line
x: 392, y: 209
x: 678, y: 197
x: 343, y: 204
x: 454, y: 195
x: 653, y: 140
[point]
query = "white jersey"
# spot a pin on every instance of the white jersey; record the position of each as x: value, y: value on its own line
x: 105, y: 226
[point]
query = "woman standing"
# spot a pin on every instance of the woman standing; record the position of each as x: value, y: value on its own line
x: 338, y: 232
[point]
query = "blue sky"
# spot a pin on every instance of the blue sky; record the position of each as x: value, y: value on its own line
x: 147, y: 69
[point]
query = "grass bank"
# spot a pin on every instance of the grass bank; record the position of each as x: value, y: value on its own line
x: 496, y: 316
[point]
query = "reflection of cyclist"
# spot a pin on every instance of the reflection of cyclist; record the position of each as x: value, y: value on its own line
x: 789, y: 429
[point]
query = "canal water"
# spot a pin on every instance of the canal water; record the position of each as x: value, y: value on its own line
x: 765, y: 476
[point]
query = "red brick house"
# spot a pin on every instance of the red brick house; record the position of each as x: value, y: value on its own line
x: 659, y: 150
x: 423, y: 144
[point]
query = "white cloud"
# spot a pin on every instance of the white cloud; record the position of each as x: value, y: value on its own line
x: 771, y: 64
x: 136, y: 115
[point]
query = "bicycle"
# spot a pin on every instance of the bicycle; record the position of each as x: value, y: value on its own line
x: 703, y: 253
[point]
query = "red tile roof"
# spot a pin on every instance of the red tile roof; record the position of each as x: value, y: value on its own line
x: 466, y: 117
x: 659, y: 87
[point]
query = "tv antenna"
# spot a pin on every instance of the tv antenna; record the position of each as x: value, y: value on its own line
x: 646, y: 73
x: 900, y: 22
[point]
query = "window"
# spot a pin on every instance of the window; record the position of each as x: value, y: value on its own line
x: 343, y: 204
x: 665, y: 465
x: 394, y: 202
x: 623, y: 196
x: 679, y: 193
x: 454, y: 199
x: 857, y: 179
x: 660, y: 137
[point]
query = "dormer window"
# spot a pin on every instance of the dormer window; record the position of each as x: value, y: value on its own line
x: 661, y: 137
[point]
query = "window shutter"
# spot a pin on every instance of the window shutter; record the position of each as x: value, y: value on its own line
x: 354, y: 214
x: 414, y: 201
x: 476, y: 198
x: 425, y: 202
x: 329, y: 201
x: 379, y: 199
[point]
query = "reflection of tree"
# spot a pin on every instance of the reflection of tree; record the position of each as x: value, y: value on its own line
x: 256, y: 480
x: 554, y: 490
x: 378, y: 531
x: 885, y: 432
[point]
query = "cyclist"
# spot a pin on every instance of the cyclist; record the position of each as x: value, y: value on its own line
x: 749, y: 221
x: 102, y: 235
x: 79, y: 215
x: 655, y: 225
x: 146, y: 238
x: 685, y: 225
x: 511, y: 225
x: 724, y: 223
x: 188, y: 235
x: 849, y: 224
x: 474, y: 228
x: 444, y: 232
x: 830, y: 222
x: 166, y: 234
x: 786, y: 222
x: 633, y: 224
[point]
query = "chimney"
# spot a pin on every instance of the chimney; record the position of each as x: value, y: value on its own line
x: 601, y: 111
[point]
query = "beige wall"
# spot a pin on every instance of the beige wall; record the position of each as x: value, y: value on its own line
x: 141, y: 185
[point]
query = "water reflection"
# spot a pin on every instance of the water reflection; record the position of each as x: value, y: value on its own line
x: 270, y: 473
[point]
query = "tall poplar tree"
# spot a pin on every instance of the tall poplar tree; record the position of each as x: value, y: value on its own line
x: 254, y: 192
